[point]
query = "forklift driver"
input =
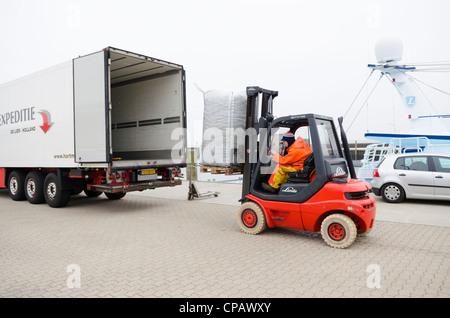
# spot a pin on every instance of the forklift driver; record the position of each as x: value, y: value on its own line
x: 295, y: 154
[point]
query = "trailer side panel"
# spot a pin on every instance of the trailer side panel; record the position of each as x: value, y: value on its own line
x: 36, y: 120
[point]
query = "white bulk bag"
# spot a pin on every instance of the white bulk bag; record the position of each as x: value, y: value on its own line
x: 224, y: 116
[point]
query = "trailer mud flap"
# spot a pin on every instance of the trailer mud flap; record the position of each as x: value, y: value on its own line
x: 65, y: 181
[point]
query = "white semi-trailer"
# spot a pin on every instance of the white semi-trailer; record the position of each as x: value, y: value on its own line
x: 109, y: 122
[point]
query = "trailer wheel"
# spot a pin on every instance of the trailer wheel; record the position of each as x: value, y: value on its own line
x: 92, y: 194
x: 115, y: 196
x: 338, y: 230
x: 34, y: 187
x: 251, y: 218
x: 16, y: 183
x: 54, y: 195
x: 76, y: 191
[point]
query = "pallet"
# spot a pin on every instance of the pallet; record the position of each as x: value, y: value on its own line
x: 228, y: 171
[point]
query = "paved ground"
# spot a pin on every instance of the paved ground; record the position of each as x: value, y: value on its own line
x: 147, y: 245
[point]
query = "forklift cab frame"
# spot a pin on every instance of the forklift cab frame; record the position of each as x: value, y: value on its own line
x: 331, y: 162
x: 328, y: 157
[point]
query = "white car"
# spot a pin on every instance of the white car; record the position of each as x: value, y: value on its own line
x: 412, y: 176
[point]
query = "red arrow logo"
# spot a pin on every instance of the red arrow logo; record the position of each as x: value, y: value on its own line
x: 47, y: 121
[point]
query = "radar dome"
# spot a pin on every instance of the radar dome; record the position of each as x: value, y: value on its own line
x: 389, y: 50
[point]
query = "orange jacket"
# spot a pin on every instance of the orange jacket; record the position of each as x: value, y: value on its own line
x: 297, y: 153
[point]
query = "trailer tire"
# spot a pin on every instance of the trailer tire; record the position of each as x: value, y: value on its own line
x: 54, y: 195
x: 34, y: 187
x: 115, y: 196
x: 16, y: 183
x: 338, y: 230
x: 92, y: 194
x: 251, y: 218
x: 75, y: 191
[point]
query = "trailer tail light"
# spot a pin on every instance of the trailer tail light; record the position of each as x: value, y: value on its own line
x: 117, y: 175
x: 111, y: 177
x: 376, y: 174
x: 124, y: 175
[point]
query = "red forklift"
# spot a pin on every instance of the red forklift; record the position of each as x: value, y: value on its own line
x: 325, y: 196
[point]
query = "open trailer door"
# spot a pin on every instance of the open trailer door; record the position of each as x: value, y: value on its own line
x: 91, y: 108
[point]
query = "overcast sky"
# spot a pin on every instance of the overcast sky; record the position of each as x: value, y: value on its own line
x: 315, y: 53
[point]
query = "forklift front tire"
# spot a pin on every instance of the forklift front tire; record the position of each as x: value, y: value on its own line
x: 251, y: 218
x: 338, y: 230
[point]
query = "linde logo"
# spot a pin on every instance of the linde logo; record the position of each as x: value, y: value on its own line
x: 289, y: 190
x: 26, y: 115
x: 339, y: 172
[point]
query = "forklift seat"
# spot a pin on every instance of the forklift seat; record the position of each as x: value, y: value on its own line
x: 303, y: 176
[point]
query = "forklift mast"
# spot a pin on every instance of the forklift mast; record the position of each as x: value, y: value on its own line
x: 256, y: 122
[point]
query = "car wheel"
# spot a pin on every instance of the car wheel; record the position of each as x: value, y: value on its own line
x: 392, y: 193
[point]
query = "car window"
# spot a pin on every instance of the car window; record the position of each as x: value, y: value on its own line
x: 442, y: 164
x: 380, y: 162
x: 412, y: 163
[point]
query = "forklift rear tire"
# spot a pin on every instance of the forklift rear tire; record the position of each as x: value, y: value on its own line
x: 251, y: 218
x: 338, y: 230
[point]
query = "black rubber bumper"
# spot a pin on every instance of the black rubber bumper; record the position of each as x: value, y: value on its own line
x: 376, y: 191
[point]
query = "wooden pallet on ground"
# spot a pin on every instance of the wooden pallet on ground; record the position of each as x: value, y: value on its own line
x: 228, y: 171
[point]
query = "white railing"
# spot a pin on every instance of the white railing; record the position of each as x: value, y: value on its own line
x: 375, y: 153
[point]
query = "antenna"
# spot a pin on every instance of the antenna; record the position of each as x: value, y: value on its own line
x: 421, y: 112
